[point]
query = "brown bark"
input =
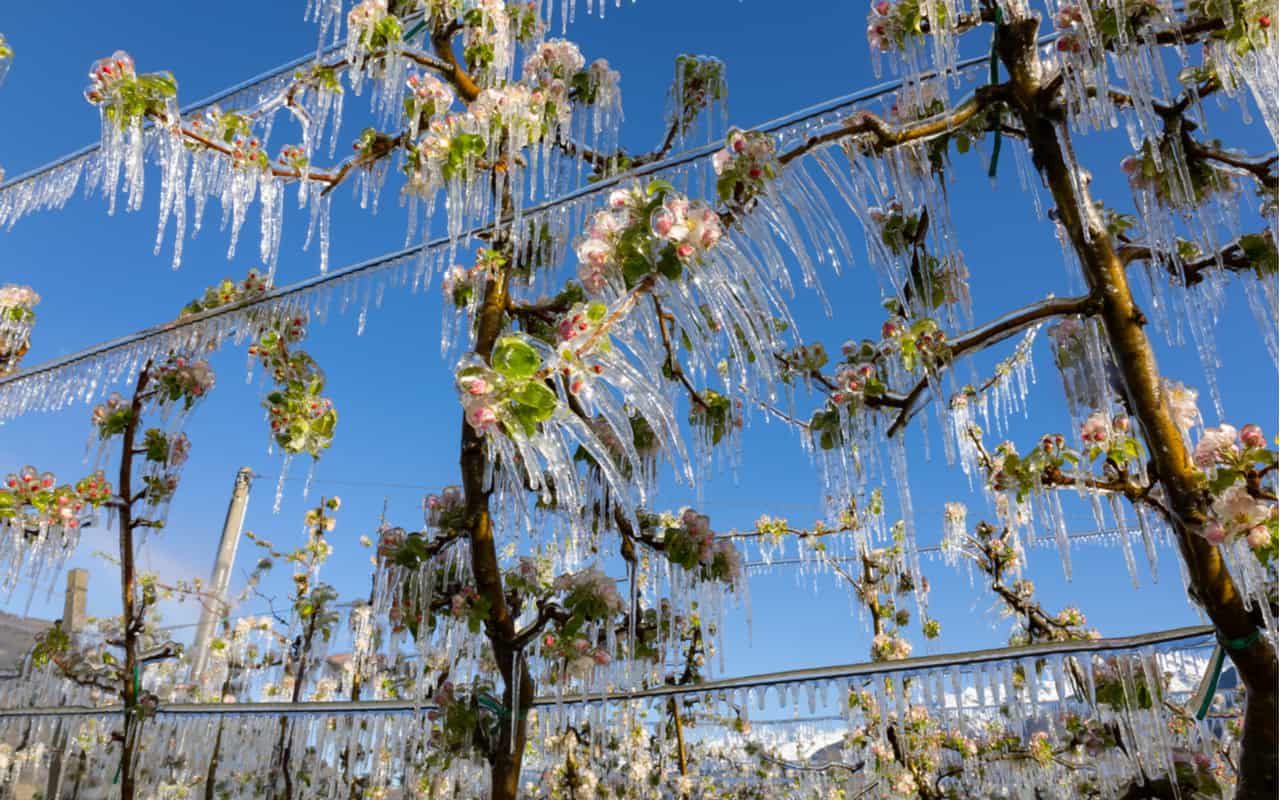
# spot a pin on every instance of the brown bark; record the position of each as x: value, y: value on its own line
x: 1123, y: 323
x: 128, y: 593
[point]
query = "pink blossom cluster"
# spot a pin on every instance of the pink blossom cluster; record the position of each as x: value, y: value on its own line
x: 1182, y: 402
x: 851, y: 380
x: 1221, y: 445
x: 554, y: 60
x: 745, y: 165
x: 247, y: 153
x: 292, y: 156
x: 459, y: 283
x: 718, y: 557
x: 107, y: 75
x: 460, y: 604
x: 430, y: 89
x: 1237, y: 511
x: 179, y: 450
x: 593, y: 583
x: 364, y: 15
x: 693, y: 227
x: 390, y: 540
x: 889, y: 647
x: 597, y: 247
x: 580, y: 656
x: 14, y: 296
x: 480, y: 402
x: 189, y: 378
x: 435, y: 506
x: 1069, y: 20
x: 102, y: 411
x: 1101, y: 429
x: 882, y: 26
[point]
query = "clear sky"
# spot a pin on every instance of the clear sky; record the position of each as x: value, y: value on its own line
x: 399, y: 416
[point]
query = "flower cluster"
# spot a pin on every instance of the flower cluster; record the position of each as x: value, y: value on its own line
x: 804, y: 359
x: 1104, y: 434
x: 1234, y: 463
x: 889, y: 647
x: 443, y: 510
x: 589, y: 594
x: 554, y: 60
x: 124, y: 96
x: 597, y: 85
x: 17, y: 316
x: 579, y: 333
x: 511, y: 395
x: 578, y: 654
x: 1070, y: 20
x: 371, y: 26
x: 183, y: 379
x: 891, y: 25
x: 461, y: 285
x: 700, y: 80
x: 744, y: 167
x: 293, y: 156
x: 654, y: 229
x: 247, y: 153
x: 1182, y: 402
x: 428, y: 96
x: 301, y: 420
x: 692, y: 544
x: 34, y: 501
x: 469, y: 605
x: 17, y: 303
x: 227, y: 292
x: 921, y: 343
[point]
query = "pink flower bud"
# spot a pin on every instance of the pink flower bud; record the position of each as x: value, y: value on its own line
x: 1252, y: 436
x: 1214, y: 532
x: 1259, y: 537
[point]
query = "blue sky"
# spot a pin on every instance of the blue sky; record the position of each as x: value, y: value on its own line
x: 399, y: 424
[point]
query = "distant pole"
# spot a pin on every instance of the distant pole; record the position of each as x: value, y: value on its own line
x: 220, y: 578
x: 73, y: 609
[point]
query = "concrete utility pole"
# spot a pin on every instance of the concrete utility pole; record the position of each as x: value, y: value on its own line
x: 73, y: 608
x: 220, y: 578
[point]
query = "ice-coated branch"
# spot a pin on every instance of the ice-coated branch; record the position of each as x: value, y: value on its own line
x: 880, y: 135
x: 672, y: 363
x: 1233, y: 257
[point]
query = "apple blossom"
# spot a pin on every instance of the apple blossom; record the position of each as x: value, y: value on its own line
x: 1215, y: 445
x: 1252, y: 436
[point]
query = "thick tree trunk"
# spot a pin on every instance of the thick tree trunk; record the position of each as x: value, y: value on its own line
x: 1123, y: 323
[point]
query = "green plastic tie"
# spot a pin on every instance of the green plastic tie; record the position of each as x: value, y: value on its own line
x: 421, y: 24
x: 993, y: 79
x: 1219, y: 660
x: 137, y: 688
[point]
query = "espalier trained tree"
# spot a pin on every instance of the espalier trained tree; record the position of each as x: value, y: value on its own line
x: 572, y: 393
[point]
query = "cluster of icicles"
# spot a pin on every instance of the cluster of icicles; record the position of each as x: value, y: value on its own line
x: 802, y: 725
x: 193, y: 175
x: 743, y: 287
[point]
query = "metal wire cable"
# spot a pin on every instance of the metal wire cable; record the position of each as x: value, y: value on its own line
x: 1200, y: 635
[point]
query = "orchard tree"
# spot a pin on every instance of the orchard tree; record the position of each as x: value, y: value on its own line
x: 676, y: 308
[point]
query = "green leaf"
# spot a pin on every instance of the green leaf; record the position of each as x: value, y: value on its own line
x: 515, y: 358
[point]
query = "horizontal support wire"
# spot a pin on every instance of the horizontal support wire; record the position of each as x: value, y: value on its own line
x: 1199, y: 635
x: 399, y: 257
